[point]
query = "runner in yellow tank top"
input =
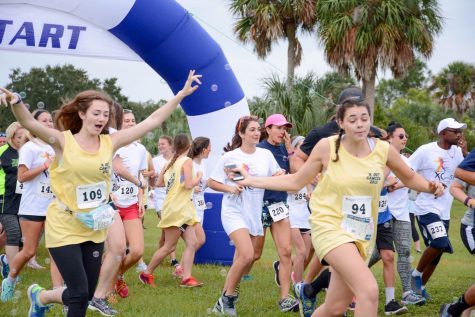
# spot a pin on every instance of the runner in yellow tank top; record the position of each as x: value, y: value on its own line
x: 344, y: 205
x: 80, y: 179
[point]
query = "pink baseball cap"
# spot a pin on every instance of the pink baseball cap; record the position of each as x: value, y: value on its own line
x: 278, y: 120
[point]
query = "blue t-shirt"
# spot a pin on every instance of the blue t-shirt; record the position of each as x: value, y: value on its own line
x: 468, y: 164
x: 384, y: 214
x: 282, y: 157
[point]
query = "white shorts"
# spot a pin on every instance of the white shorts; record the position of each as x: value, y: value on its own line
x: 234, y: 219
x: 201, y: 215
x: 299, y: 214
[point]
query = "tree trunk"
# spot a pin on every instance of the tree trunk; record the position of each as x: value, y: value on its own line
x: 291, y: 36
x: 369, y: 90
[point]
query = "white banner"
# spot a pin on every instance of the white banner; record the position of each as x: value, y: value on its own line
x: 40, y: 30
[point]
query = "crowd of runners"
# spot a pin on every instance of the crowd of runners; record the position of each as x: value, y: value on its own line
x: 335, y: 202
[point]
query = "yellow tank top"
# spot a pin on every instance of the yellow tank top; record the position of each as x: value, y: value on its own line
x: 345, y: 203
x: 178, y: 208
x: 79, y: 180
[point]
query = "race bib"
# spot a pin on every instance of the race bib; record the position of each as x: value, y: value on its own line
x: 44, y: 189
x: 383, y: 203
x: 357, y: 217
x: 19, y: 188
x: 299, y: 198
x: 91, y: 195
x: 199, y: 201
x: 126, y: 191
x: 278, y: 211
x: 437, y: 230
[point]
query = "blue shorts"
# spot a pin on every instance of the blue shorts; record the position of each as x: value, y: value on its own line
x: 435, y: 232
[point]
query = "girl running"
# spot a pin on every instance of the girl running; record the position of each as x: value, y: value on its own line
x: 80, y: 178
x: 178, y: 215
x: 345, y: 204
x: 242, y: 206
x: 34, y: 160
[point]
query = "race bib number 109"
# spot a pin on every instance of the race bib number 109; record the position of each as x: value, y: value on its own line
x: 91, y: 195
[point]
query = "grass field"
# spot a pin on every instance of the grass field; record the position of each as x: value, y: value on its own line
x: 258, y: 296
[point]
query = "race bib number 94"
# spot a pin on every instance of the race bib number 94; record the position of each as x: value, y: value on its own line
x: 357, y: 217
x: 91, y: 195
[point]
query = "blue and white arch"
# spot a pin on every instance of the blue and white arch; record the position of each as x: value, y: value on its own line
x: 161, y: 33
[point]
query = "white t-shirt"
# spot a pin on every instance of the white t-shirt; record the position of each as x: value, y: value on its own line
x: 199, y: 198
x: 298, y: 208
x: 37, y: 193
x: 244, y: 210
x: 159, y: 193
x: 435, y: 164
x: 397, y: 200
x: 134, y: 158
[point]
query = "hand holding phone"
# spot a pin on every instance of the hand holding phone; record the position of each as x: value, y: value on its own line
x: 237, y: 175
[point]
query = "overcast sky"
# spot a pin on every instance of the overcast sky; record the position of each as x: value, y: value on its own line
x: 140, y: 83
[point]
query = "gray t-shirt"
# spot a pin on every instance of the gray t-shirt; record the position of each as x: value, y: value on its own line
x: 468, y: 217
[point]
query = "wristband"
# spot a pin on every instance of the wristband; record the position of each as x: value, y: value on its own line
x: 290, y: 153
x: 466, y: 201
x: 19, y: 99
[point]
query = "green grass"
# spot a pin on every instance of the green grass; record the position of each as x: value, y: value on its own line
x: 258, y: 296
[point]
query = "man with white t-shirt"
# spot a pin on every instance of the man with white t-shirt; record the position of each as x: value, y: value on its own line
x: 436, y: 161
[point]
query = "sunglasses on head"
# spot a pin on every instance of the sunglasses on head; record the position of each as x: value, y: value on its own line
x: 246, y: 118
x: 127, y: 111
x: 402, y: 136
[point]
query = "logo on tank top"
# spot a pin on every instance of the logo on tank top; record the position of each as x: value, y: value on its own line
x: 170, y: 182
x: 374, y: 178
x: 105, y: 168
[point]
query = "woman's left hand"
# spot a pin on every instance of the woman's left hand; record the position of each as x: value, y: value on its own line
x: 188, y: 89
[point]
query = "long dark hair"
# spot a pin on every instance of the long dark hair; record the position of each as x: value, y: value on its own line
x: 241, y: 127
x: 197, y: 146
x: 340, y: 114
x: 181, y: 143
x: 67, y: 117
x: 392, y: 126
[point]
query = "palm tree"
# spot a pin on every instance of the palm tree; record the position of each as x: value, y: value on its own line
x: 264, y: 22
x: 454, y: 87
x: 362, y: 35
x: 310, y: 102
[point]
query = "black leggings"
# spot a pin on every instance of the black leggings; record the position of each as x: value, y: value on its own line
x: 415, y: 234
x: 79, y: 265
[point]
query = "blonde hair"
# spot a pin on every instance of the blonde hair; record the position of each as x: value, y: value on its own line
x: 11, y: 130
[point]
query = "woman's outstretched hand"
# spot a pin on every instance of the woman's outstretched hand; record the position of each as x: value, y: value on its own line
x: 188, y: 89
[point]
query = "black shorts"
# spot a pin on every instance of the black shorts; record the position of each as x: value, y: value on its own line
x: 467, y: 234
x: 435, y: 232
x: 384, y: 236
x: 32, y: 218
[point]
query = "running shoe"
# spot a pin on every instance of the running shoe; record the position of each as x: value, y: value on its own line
x: 36, y: 309
x: 275, y: 265
x: 444, y: 310
x: 8, y: 289
x: 178, y: 272
x: 225, y: 306
x: 306, y: 304
x: 32, y: 264
x: 101, y: 305
x: 4, y: 264
x: 121, y: 288
x: 426, y: 295
x: 412, y: 298
x: 65, y: 310
x: 288, y: 304
x: 393, y: 308
x: 147, y: 279
x: 141, y: 267
x: 416, y: 284
x: 246, y: 277
x: 174, y: 262
x: 190, y: 282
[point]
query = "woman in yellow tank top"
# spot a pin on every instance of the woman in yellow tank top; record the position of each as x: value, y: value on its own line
x: 80, y: 177
x: 178, y: 212
x: 345, y: 204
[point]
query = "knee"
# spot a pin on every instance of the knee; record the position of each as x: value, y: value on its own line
x: 247, y: 258
x: 368, y: 292
x: 387, y: 256
x: 285, y: 254
x: 135, y: 253
x: 200, y: 242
